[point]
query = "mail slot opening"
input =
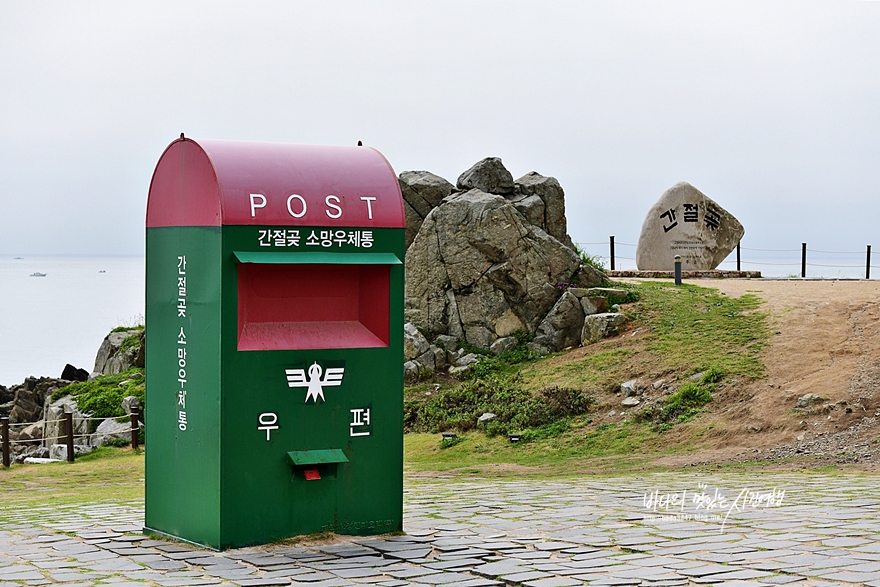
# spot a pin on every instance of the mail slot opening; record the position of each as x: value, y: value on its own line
x: 294, y: 307
x: 315, y: 472
x: 313, y: 465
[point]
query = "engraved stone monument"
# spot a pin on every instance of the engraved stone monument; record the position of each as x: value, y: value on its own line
x: 686, y: 222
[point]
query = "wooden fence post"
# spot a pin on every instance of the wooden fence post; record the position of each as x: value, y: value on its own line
x: 134, y: 428
x: 737, y: 256
x: 4, y: 424
x: 611, y: 243
x: 68, y: 421
x: 868, y: 264
x: 803, y: 259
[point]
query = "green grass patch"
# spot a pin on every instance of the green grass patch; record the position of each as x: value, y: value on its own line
x: 106, y: 474
x: 102, y: 397
x: 570, y: 450
x: 617, y: 439
x: 131, y: 341
x: 694, y: 328
x: 127, y: 328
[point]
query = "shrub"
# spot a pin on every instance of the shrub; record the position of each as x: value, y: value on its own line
x: 102, y: 397
x: 594, y: 261
x: 515, y: 408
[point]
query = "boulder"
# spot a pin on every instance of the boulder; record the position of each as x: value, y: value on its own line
x: 131, y: 402
x: 71, y: 373
x: 33, y: 432
x: 479, y: 271
x: 24, y: 403
x: 33, y: 454
x: 588, y: 276
x: 414, y: 342
x: 27, y: 406
x: 426, y: 361
x: 488, y: 175
x: 411, y: 371
x: 598, y: 326
x: 55, y: 429
x: 686, y: 222
x: 110, y: 358
x: 563, y: 324
x: 448, y: 343
x: 630, y: 402
x: 502, y: 345
x: 422, y: 192
x: 594, y: 305
x: 110, y: 429
x: 629, y: 388
x: 807, y: 400
x: 553, y: 198
x: 467, y: 359
x: 440, y: 360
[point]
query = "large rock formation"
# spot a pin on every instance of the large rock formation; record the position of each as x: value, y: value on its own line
x: 686, y: 222
x: 490, y: 258
x: 477, y: 270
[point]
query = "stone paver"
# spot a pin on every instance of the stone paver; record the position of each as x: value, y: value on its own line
x: 660, y: 530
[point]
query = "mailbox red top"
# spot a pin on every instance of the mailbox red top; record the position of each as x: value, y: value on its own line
x: 212, y: 183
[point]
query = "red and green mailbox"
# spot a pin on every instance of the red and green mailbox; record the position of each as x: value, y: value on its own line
x: 274, y: 312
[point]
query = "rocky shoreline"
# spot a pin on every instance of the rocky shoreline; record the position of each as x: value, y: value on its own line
x: 35, y: 419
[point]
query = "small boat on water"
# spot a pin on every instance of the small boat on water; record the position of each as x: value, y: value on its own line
x: 38, y: 274
x: 17, y: 258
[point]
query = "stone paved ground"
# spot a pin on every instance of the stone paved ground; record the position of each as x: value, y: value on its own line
x: 655, y: 530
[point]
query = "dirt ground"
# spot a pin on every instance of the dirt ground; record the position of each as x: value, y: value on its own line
x: 826, y: 342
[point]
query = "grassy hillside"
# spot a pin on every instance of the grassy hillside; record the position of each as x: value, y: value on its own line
x: 683, y: 345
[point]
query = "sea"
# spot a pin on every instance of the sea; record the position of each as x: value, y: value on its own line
x: 62, y: 317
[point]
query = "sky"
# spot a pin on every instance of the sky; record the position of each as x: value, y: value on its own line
x: 772, y: 109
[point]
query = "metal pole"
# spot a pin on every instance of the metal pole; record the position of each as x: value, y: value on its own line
x: 678, y: 270
x: 868, y: 264
x: 4, y: 429
x: 803, y: 259
x: 612, y: 252
x: 68, y: 422
x: 737, y: 257
x: 134, y: 428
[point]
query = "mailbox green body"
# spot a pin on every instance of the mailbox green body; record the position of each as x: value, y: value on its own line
x: 274, y: 315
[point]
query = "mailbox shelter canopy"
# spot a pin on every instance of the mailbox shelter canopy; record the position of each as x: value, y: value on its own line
x: 214, y: 183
